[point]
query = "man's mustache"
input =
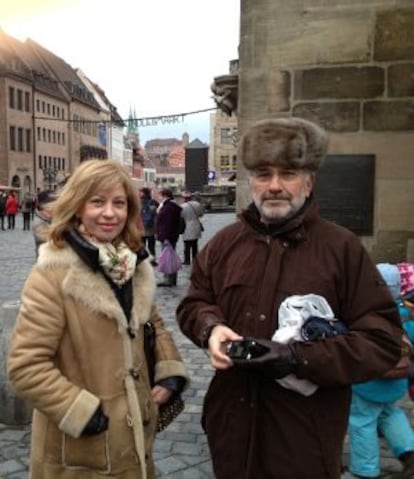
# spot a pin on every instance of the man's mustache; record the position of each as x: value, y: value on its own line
x: 276, y: 197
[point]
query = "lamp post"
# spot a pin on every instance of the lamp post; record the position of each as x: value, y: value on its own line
x: 49, y: 176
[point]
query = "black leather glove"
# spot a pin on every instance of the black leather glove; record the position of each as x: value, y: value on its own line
x: 97, y: 423
x: 271, y: 359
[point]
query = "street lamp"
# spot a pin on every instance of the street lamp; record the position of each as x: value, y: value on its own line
x: 49, y: 176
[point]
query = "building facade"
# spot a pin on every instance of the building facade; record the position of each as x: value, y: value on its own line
x: 51, y: 118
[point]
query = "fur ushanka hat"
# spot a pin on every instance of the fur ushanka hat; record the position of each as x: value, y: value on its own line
x: 284, y: 142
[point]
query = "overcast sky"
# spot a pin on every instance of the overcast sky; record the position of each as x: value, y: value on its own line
x: 158, y: 57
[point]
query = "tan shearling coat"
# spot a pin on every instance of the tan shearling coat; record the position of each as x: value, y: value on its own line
x: 70, y: 351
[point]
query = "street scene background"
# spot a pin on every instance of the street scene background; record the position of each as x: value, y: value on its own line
x: 181, y: 451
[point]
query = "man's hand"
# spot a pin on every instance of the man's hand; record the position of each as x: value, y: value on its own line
x: 275, y: 360
x: 219, y: 336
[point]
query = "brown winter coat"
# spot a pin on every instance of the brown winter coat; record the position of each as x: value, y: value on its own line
x: 71, y: 351
x: 255, y: 427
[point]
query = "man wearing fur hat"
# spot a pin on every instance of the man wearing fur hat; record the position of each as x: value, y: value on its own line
x: 279, y: 248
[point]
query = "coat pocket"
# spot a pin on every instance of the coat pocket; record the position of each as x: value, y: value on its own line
x: 86, y: 452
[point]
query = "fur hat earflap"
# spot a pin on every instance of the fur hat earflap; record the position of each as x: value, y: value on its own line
x: 284, y: 142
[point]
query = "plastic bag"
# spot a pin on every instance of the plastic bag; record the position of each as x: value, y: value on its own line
x: 169, y: 262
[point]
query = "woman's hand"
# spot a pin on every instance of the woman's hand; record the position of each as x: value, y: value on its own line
x: 161, y: 395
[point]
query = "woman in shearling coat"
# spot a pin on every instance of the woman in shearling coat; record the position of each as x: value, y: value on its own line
x: 77, y: 350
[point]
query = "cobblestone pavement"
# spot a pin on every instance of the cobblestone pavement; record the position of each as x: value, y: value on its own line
x: 181, y: 450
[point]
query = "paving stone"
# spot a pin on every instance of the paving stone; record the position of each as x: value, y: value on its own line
x: 181, y: 451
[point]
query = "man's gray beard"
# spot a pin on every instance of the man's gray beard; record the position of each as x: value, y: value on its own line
x: 275, y: 218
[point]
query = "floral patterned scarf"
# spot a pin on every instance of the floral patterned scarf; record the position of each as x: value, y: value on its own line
x: 117, y: 261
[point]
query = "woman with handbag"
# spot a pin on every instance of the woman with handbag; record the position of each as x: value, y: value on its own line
x: 78, y: 350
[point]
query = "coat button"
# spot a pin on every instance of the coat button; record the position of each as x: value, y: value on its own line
x: 262, y: 317
x: 134, y: 373
x: 248, y: 314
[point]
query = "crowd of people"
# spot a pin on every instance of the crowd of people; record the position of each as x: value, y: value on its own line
x: 296, y: 318
x: 10, y: 207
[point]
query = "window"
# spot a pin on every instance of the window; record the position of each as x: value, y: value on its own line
x: 48, y: 108
x: 37, y: 105
x: 12, y: 138
x: 54, y: 136
x: 43, y: 106
x: 20, y: 139
x: 20, y: 100
x: 39, y: 161
x: 39, y: 133
x: 11, y: 97
x: 53, y: 110
x: 224, y: 162
x: 28, y: 140
x: 49, y: 136
x: 234, y: 162
x: 226, y: 135
x: 63, y: 163
x: 63, y: 138
x: 44, y: 134
x: 26, y: 101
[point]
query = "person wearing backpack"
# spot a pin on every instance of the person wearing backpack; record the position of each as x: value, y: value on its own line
x: 148, y: 216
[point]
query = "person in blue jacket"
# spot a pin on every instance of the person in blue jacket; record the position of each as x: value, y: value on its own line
x: 374, y: 410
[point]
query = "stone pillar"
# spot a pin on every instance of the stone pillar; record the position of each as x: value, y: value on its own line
x: 349, y: 66
x: 13, y: 409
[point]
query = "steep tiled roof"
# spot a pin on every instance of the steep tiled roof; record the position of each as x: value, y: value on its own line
x: 176, y: 158
x: 65, y: 74
x: 28, y: 64
x: 197, y: 144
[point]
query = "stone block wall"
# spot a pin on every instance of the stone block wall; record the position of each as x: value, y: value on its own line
x: 348, y: 65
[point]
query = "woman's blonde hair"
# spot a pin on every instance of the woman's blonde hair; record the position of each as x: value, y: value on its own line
x: 88, y: 179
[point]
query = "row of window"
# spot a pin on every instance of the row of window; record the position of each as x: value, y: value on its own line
x: 20, y: 139
x: 81, y: 125
x: 56, y: 163
x: 50, y: 109
x: 50, y: 136
x: 19, y: 99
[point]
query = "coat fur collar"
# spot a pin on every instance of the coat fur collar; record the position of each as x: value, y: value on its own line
x: 92, y: 290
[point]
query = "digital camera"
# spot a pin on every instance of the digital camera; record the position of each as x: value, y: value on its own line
x: 245, y: 349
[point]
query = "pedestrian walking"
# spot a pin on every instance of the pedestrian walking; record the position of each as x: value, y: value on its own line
x: 26, y: 209
x: 77, y: 351
x: 167, y: 228
x: 148, y: 218
x: 279, y: 249
x: 3, y: 198
x: 12, y: 207
x: 191, y: 211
